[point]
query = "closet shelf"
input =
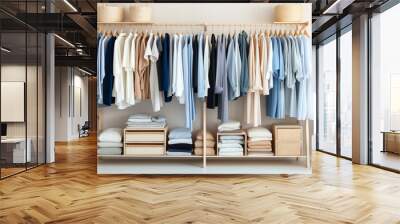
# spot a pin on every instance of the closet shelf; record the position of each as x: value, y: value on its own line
x: 127, y: 23
x: 147, y: 157
x: 191, y: 157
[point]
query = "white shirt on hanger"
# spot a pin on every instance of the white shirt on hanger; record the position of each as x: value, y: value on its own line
x: 179, y: 85
x: 174, y: 63
x: 152, y: 54
x: 264, y: 64
x: 206, y: 63
x: 269, y: 63
x: 119, y: 72
x: 128, y: 64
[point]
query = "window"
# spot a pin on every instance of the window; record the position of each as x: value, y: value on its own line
x: 346, y: 94
x: 385, y: 89
x: 327, y: 97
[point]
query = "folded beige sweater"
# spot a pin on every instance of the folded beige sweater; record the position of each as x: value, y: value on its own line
x: 259, y: 149
x: 259, y: 143
x: 209, y: 143
x: 209, y: 151
x: 209, y: 135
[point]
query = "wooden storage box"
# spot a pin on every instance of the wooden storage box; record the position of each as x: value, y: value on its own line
x: 145, y: 142
x: 145, y: 150
x: 288, y: 140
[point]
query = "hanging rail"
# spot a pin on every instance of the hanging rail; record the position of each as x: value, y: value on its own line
x: 214, y: 27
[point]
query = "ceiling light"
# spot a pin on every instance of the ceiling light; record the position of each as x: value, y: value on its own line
x: 70, y: 5
x: 84, y: 71
x: 5, y: 50
x: 64, y: 40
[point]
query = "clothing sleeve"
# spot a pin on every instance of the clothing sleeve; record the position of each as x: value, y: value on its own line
x: 133, y: 53
x: 206, y: 60
x: 148, y: 52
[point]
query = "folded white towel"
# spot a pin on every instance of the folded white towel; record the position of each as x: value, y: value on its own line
x: 179, y: 153
x: 229, y: 145
x: 232, y: 137
x: 180, y: 141
x: 109, y: 151
x: 229, y: 126
x: 109, y: 144
x: 237, y: 141
x: 258, y: 132
x: 139, y: 116
x: 255, y: 139
x: 110, y: 135
x: 231, y: 153
x: 231, y: 150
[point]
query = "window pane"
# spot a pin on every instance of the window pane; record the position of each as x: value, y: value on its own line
x: 385, y: 84
x: 327, y: 97
x: 346, y: 94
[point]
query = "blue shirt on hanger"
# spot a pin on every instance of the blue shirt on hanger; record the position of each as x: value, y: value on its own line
x: 165, y: 82
x: 244, y: 74
x: 108, y: 81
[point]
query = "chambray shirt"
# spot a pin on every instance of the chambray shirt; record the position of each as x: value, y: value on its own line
x: 233, y: 69
x: 99, y: 68
x: 302, y: 112
x: 221, y: 85
x: 278, y: 75
x: 187, y: 56
x: 281, y: 97
x: 244, y: 74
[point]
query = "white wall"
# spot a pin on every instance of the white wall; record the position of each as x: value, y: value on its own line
x: 69, y: 82
x: 198, y: 13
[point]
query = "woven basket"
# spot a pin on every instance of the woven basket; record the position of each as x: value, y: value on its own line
x: 109, y: 14
x: 140, y: 14
x: 290, y: 13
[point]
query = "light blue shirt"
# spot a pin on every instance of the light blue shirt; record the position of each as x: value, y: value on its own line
x: 272, y: 99
x: 187, y: 55
x: 201, y: 84
x: 233, y: 70
x: 302, y: 104
x: 281, y: 96
x: 221, y: 85
x: 100, y: 69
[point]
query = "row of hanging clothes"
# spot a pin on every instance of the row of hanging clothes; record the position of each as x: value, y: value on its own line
x: 218, y: 68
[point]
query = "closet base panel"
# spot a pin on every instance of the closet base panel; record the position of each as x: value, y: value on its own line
x: 177, y: 166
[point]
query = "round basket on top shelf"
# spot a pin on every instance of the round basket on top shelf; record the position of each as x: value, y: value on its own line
x: 290, y: 13
x: 109, y: 13
x: 139, y: 14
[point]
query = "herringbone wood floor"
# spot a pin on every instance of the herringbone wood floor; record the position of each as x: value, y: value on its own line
x: 69, y: 191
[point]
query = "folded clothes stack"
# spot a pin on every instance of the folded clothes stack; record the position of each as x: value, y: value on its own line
x: 146, y: 121
x: 109, y: 142
x: 259, y: 142
x: 229, y: 126
x: 231, y: 145
x: 180, y: 142
x: 210, y: 144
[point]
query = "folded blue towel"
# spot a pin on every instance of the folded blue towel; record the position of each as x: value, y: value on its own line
x: 177, y: 133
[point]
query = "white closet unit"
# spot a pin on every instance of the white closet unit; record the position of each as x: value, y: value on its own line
x: 210, y: 17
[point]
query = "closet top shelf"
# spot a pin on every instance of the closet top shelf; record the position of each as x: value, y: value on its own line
x: 201, y: 24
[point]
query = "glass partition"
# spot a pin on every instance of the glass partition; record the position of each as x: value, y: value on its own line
x: 22, y: 77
